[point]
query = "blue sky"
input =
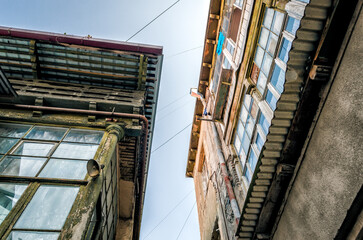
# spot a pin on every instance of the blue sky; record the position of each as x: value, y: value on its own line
x: 179, y: 29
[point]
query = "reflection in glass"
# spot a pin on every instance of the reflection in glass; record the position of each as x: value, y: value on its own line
x: 66, y: 169
x: 34, y: 149
x: 49, y: 208
x: 259, y: 142
x: 268, y: 18
x: 13, y: 130
x: 46, y: 133
x: 272, y: 43
x: 6, y: 144
x: 284, y: 50
x: 263, y: 38
x: 261, y: 83
x: 292, y: 25
x: 22, y: 235
x: 245, y: 143
x: 266, y: 64
x: 252, y: 160
x: 21, y: 166
x: 84, y: 136
x: 271, y: 100
x: 247, y: 175
x: 264, y: 124
x: 278, y: 21
x: 278, y: 79
x: 9, y: 195
x: 76, y: 151
x: 259, y: 56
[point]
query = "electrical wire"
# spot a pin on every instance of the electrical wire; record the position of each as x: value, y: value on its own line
x: 171, y: 138
x: 174, y: 110
x: 172, y: 210
x: 181, y: 230
x: 185, y: 51
x: 153, y: 20
x: 161, y: 109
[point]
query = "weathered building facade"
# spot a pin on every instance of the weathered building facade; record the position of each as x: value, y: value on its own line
x: 276, y: 153
x: 76, y: 122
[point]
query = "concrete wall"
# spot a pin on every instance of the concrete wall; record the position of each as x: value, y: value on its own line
x: 330, y: 175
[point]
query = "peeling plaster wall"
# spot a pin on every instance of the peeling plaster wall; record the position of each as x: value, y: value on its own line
x: 330, y: 175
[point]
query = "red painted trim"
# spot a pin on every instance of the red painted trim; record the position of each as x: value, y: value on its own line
x: 84, y: 41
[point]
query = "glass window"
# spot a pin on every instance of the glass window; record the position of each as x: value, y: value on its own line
x: 259, y: 56
x: 66, y: 169
x: 284, y: 50
x: 272, y: 43
x: 84, y: 136
x: 278, y: 79
x: 261, y: 82
x: 263, y: 38
x: 266, y: 64
x: 247, y: 175
x: 34, y: 149
x: 244, y: 115
x: 13, y: 130
x: 9, y: 195
x: 22, y: 235
x: 21, y: 166
x: 292, y: 25
x: 76, y: 151
x: 271, y: 100
x: 259, y: 142
x: 277, y: 22
x: 252, y: 160
x: 46, y: 133
x: 48, y: 209
x: 6, y: 144
x: 245, y: 143
x: 264, y: 124
x: 268, y: 18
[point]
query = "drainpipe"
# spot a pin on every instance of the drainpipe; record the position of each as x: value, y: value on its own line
x: 109, y: 114
x: 222, y: 163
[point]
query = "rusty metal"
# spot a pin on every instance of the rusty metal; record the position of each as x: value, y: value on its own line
x: 41, y: 179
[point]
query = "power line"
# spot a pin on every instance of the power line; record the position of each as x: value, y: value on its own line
x: 153, y: 20
x: 162, y: 220
x: 171, y: 138
x: 179, y: 53
x: 174, y: 110
x: 185, y: 221
x: 159, y: 110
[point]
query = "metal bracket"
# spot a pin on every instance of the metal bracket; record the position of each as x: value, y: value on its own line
x: 39, y: 101
x: 93, y: 107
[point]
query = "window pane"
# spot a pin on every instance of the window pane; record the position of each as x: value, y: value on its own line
x: 237, y: 144
x: 13, y: 130
x: 261, y: 83
x: 272, y: 43
x: 46, y: 133
x: 240, y: 130
x: 252, y: 160
x: 259, y: 56
x: 259, y: 142
x: 278, y: 21
x: 264, y: 124
x: 34, y: 149
x: 9, y: 195
x: 263, y: 37
x: 266, y: 64
x: 245, y: 143
x: 84, y: 136
x: 247, y: 175
x: 292, y: 25
x: 244, y: 114
x: 22, y: 235
x: 249, y: 126
x: 74, y: 150
x: 6, y: 144
x: 21, y: 166
x: 268, y: 18
x: 271, y: 100
x: 285, y: 49
x: 49, y: 208
x: 62, y: 168
x: 278, y: 79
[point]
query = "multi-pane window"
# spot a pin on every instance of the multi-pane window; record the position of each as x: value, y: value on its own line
x: 32, y: 152
x: 268, y: 73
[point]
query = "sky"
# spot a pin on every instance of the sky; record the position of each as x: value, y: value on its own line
x: 170, y: 195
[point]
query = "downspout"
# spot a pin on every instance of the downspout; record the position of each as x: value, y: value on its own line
x: 222, y: 163
x: 145, y: 126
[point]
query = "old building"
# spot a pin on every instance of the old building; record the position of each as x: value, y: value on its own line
x: 276, y: 153
x: 76, y: 122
